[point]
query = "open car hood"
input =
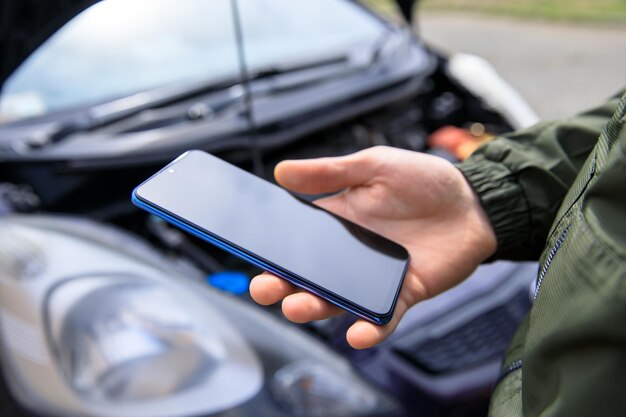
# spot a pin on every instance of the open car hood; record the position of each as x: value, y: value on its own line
x: 25, y: 25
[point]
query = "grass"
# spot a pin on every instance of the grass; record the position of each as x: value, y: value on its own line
x: 587, y: 11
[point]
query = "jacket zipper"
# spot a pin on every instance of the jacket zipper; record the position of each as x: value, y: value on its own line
x: 514, y: 366
x: 551, y: 255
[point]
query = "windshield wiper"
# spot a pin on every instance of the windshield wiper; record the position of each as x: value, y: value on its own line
x: 117, y: 110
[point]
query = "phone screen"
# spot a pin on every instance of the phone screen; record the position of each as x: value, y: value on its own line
x: 270, y: 224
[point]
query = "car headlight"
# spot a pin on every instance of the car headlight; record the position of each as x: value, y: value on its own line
x: 130, y: 341
x: 124, y: 339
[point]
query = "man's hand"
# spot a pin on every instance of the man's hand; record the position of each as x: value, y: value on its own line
x: 420, y: 201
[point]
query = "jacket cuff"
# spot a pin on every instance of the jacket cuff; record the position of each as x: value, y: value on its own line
x: 504, y: 201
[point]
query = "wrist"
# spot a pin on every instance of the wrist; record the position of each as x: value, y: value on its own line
x: 482, y: 235
x: 503, y: 202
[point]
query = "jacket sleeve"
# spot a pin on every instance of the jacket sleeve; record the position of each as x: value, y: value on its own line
x: 521, y: 178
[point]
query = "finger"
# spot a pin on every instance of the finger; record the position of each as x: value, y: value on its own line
x: 326, y: 175
x: 268, y: 289
x: 364, y: 334
x: 303, y: 307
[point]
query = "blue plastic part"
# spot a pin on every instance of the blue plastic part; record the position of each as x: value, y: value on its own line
x: 230, y: 281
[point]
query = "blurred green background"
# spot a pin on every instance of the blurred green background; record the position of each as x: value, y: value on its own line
x: 590, y: 11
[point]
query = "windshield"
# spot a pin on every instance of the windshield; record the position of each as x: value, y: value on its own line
x: 120, y: 47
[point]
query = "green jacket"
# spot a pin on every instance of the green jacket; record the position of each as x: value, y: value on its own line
x: 557, y: 193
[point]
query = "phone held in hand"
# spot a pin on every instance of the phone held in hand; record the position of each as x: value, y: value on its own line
x: 339, y: 261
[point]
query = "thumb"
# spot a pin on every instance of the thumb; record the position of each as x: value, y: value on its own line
x: 325, y: 175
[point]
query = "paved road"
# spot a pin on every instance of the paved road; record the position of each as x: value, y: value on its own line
x: 559, y: 68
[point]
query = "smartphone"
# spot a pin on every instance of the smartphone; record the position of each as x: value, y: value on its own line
x: 264, y: 224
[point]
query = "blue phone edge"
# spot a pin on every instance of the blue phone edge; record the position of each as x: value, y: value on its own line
x: 380, y: 320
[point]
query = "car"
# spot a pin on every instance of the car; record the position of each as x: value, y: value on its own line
x: 96, y: 95
x: 123, y: 96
